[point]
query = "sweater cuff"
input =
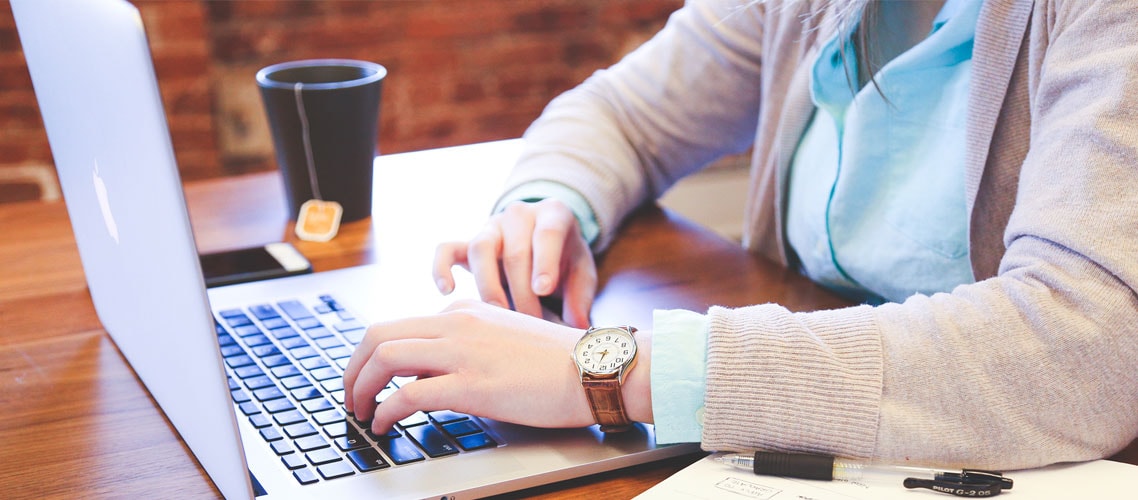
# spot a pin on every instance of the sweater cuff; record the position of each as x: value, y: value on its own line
x: 783, y: 381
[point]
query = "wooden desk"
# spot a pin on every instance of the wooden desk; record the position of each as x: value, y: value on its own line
x: 76, y: 421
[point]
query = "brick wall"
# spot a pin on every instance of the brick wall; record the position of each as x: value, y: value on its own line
x: 460, y: 71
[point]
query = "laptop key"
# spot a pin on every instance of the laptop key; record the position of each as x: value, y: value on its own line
x: 279, y: 405
x: 274, y: 322
x: 285, y: 371
x: 331, y: 385
x: 391, y: 434
x: 246, y: 330
x: 305, y: 393
x: 313, y: 363
x: 281, y: 448
x: 248, y: 371
x: 322, y: 374
x: 355, y: 336
x: 341, y: 352
x: 336, y: 429
x: 272, y: 434
x: 268, y: 393
x: 461, y: 428
x: 238, y: 361
x: 260, y: 420
x: 304, y: 352
x: 400, y: 450
x: 327, y: 417
x: 309, y: 323
x: 256, y: 340
x: 293, y: 461
x: 324, y: 456
x: 447, y: 416
x: 239, y: 396
x: 259, y: 382
x: 349, y: 326
x: 231, y: 313
x: 351, y: 441
x: 249, y: 408
x: 265, y: 350
x: 305, y: 476
x: 367, y: 459
x: 294, y: 309
x: 431, y: 440
x: 296, y: 382
x: 275, y: 360
x: 294, y: 342
x: 283, y: 333
x: 476, y: 441
x: 317, y: 405
x: 231, y: 350
x: 263, y: 312
x: 417, y: 418
x: 313, y: 442
x: 335, y: 470
x: 237, y: 320
x: 300, y: 430
x: 318, y: 332
x: 289, y: 417
x: 328, y: 343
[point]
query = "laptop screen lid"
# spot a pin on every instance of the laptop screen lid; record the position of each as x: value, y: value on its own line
x: 94, y: 81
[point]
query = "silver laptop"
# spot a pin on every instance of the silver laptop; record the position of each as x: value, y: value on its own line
x: 249, y: 374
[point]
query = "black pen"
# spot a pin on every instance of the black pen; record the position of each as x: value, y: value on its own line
x: 966, y: 483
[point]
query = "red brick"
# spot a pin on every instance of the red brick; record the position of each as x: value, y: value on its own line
x: 554, y: 18
x: 460, y: 72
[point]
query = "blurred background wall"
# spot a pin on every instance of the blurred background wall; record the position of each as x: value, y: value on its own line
x: 460, y: 71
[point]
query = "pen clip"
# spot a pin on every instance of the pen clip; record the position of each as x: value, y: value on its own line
x: 966, y: 483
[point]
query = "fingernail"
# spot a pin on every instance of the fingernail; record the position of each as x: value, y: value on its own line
x: 542, y: 284
x: 444, y: 286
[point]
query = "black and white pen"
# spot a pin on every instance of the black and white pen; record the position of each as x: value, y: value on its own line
x: 965, y: 483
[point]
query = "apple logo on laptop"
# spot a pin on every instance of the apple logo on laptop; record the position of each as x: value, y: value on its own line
x: 104, y: 204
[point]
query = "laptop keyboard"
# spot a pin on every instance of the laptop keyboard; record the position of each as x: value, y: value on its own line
x: 286, y: 362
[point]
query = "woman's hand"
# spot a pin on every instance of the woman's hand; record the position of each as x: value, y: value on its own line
x: 471, y: 358
x: 529, y: 250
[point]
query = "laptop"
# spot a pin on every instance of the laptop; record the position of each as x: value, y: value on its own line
x: 249, y: 374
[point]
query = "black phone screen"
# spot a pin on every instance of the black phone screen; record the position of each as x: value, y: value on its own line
x: 242, y: 265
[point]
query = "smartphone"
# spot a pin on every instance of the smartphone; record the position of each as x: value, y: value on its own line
x: 273, y: 260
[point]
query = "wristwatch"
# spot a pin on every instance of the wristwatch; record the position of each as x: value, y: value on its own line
x: 604, y: 356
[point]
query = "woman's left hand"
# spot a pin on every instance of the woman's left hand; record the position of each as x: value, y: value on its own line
x: 471, y: 358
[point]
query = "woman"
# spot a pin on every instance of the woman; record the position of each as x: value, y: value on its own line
x: 968, y: 169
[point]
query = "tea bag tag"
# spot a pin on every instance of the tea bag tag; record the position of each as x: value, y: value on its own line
x: 318, y: 220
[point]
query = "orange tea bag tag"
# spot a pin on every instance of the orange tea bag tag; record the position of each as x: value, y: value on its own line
x: 318, y: 220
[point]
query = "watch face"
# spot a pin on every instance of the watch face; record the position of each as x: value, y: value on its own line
x: 604, y: 351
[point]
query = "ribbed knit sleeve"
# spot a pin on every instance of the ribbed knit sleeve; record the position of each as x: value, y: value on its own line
x: 784, y: 381
x: 625, y: 135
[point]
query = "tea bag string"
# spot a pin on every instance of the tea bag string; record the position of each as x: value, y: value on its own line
x: 296, y: 91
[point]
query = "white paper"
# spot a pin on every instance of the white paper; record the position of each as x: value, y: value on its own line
x: 708, y: 479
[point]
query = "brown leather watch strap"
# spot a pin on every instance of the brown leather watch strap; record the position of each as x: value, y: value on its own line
x: 607, y: 404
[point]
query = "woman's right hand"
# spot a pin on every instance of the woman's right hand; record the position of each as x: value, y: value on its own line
x: 526, y: 251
